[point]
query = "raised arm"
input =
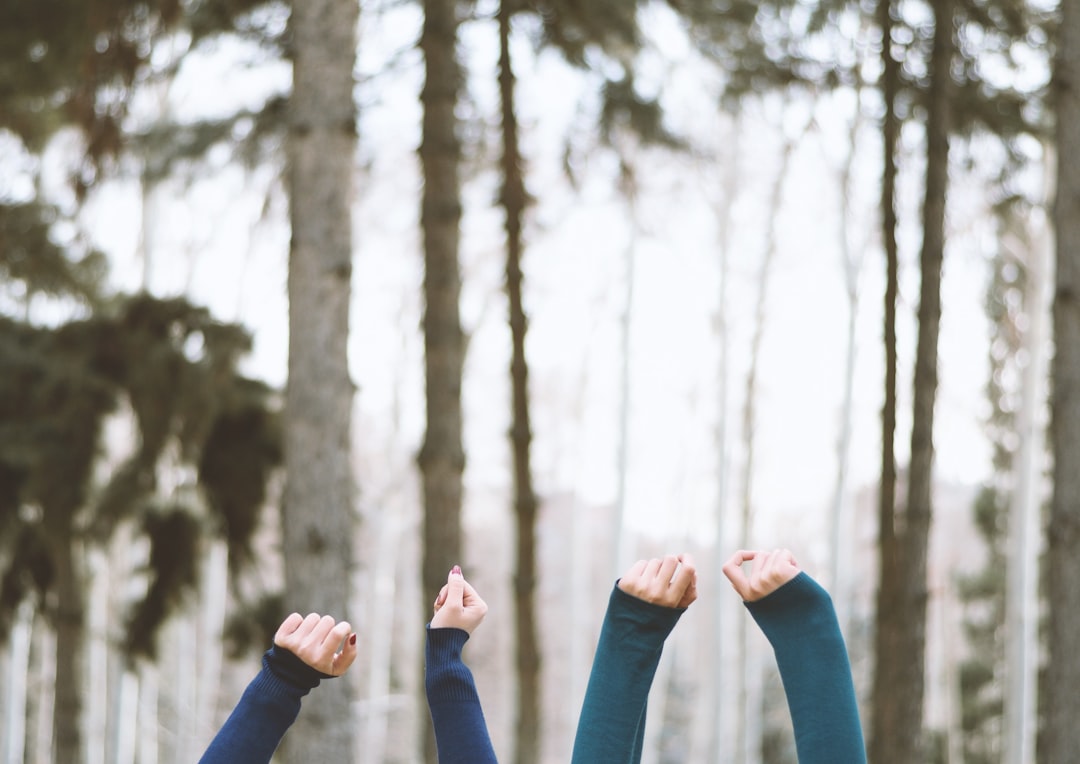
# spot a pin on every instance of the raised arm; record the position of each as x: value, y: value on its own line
x: 305, y: 651
x: 461, y: 733
x: 800, y: 623
x: 644, y: 607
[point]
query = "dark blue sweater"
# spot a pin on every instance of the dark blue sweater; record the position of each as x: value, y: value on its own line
x: 271, y: 703
x: 461, y: 734
x: 266, y: 710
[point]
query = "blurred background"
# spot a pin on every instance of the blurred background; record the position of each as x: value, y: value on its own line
x: 302, y: 304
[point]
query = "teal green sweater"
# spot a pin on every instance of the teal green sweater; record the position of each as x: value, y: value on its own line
x: 800, y: 623
x: 612, y: 720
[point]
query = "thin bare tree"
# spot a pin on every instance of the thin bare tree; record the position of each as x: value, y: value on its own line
x: 442, y: 455
x: 1027, y: 498
x: 528, y: 721
x: 898, y: 704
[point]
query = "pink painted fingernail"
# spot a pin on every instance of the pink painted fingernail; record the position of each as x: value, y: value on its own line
x: 456, y: 570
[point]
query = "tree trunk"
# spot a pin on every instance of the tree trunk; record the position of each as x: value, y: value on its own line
x: 68, y: 618
x: 1025, y: 510
x: 887, y: 662
x: 526, y: 644
x: 148, y: 745
x: 318, y: 501
x: 908, y: 691
x: 1062, y: 733
x: 40, y: 691
x: 442, y: 456
x: 16, y: 683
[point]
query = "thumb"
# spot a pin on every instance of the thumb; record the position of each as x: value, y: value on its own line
x: 455, y: 588
x: 733, y: 571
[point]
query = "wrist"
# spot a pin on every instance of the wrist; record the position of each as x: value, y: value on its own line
x: 290, y: 668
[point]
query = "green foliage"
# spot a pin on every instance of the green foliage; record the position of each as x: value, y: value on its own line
x: 238, y: 457
x: 30, y: 572
x: 817, y: 45
x: 260, y: 20
x: 168, y: 148
x: 575, y: 26
x: 175, y: 366
x: 763, y: 46
x: 29, y: 255
x: 72, y: 62
x: 253, y: 625
x: 174, y: 535
x: 624, y: 110
x: 75, y: 62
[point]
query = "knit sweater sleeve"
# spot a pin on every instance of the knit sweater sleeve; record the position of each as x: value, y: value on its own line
x: 461, y: 734
x: 612, y: 722
x: 266, y: 710
x: 800, y: 623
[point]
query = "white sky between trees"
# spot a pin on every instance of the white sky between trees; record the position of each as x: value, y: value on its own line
x: 213, y: 240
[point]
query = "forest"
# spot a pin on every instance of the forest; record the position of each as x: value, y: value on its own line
x: 304, y: 303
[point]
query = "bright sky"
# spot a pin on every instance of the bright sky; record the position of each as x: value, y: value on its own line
x: 215, y: 239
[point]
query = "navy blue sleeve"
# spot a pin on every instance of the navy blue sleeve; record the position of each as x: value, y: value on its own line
x: 461, y: 734
x: 612, y: 723
x: 800, y: 623
x: 266, y: 710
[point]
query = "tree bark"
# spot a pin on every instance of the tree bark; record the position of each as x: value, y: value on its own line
x: 68, y: 619
x: 1062, y: 733
x: 887, y: 665
x: 1025, y: 509
x: 911, y: 585
x: 318, y: 501
x: 41, y: 690
x: 442, y: 456
x: 16, y: 678
x: 526, y: 645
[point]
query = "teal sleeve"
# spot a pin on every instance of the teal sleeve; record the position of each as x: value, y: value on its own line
x: 612, y: 723
x: 800, y: 623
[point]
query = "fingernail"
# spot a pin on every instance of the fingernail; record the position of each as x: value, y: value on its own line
x: 352, y: 640
x: 456, y: 570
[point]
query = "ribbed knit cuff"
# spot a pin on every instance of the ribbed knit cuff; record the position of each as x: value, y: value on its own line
x: 627, y: 613
x: 445, y: 674
x: 796, y: 607
x: 290, y: 669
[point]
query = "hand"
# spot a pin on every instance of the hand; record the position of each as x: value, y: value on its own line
x: 458, y: 606
x: 769, y: 571
x: 315, y: 640
x: 670, y: 582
